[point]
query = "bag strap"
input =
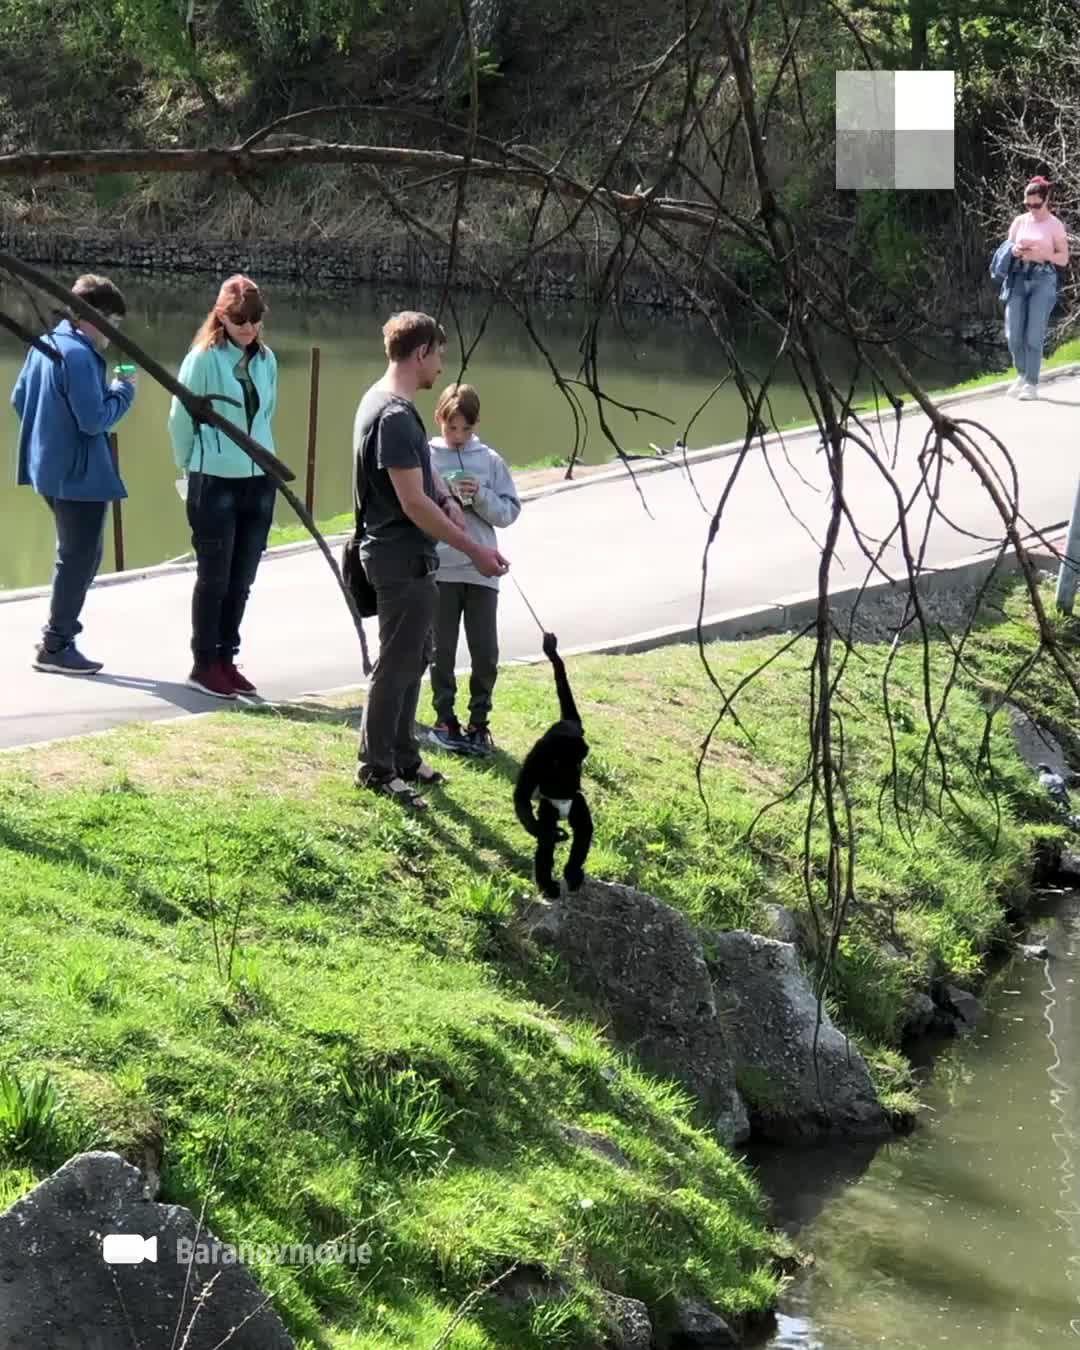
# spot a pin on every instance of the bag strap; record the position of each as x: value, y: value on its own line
x: 360, y: 466
x: 360, y: 463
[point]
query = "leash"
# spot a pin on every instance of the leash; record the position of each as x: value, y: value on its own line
x: 529, y: 607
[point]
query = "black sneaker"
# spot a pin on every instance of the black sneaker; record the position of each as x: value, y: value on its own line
x: 449, y: 736
x: 479, y: 740
x: 67, y: 661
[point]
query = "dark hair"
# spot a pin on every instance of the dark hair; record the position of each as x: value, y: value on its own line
x: 102, y: 293
x: 410, y: 331
x: 455, y: 399
x: 1039, y: 185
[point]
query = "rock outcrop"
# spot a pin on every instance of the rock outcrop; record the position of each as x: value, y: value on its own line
x: 641, y: 964
x: 800, y: 1080
x: 632, y: 1326
x: 58, y: 1291
x: 730, y: 1015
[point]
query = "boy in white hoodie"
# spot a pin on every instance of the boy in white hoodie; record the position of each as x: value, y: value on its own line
x: 482, y: 483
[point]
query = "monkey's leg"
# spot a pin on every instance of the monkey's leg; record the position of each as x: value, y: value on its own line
x: 580, y: 821
x: 547, y: 819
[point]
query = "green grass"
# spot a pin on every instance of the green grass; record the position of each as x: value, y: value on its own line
x: 297, y: 534
x: 207, y: 929
x: 1067, y: 353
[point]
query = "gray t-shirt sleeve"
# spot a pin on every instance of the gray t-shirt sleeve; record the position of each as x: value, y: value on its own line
x: 401, y: 443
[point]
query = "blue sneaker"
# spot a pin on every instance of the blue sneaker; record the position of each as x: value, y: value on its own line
x: 449, y: 736
x: 67, y: 661
x: 479, y: 739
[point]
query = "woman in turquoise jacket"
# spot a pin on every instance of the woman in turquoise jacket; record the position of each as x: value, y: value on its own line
x: 230, y: 501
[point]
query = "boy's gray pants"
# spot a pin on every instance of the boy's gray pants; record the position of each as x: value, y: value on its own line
x: 405, y: 592
x: 478, y: 606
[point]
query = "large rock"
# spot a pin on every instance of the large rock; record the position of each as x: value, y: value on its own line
x: 58, y: 1293
x: 1035, y: 745
x: 962, y: 1006
x: 794, y: 1089
x: 1070, y: 865
x: 919, y: 1016
x: 639, y: 961
x: 631, y: 1324
x: 698, y: 1327
x: 782, y: 924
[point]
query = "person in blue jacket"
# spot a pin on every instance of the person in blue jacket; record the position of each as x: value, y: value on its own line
x: 230, y: 500
x: 66, y: 409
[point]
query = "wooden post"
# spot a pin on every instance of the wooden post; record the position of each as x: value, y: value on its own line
x: 313, y: 431
x: 118, y: 518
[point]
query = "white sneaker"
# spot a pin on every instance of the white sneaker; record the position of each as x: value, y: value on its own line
x: 1016, y: 386
x: 1028, y: 392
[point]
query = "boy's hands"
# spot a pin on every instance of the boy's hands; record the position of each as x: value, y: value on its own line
x: 489, y: 562
x: 550, y: 644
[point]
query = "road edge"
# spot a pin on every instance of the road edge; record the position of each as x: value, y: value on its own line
x: 618, y: 471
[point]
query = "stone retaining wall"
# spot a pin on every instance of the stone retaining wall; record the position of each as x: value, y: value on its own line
x: 557, y: 274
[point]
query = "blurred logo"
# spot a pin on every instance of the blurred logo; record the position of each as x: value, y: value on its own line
x: 128, y: 1249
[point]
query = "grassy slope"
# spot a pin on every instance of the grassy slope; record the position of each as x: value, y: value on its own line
x: 386, y: 1045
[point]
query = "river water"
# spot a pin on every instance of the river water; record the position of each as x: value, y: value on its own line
x: 667, y: 364
x: 967, y: 1232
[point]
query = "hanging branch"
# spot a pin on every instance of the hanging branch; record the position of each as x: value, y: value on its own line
x: 713, y: 193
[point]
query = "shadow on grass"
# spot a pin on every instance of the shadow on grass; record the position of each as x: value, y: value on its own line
x: 301, y: 710
x: 481, y: 836
x: 71, y: 854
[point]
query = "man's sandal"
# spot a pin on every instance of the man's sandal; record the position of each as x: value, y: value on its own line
x: 398, y: 790
x: 425, y: 775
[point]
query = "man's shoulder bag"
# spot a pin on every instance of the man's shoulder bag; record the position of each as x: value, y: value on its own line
x: 352, y: 565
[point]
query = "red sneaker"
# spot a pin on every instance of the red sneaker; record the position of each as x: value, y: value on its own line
x: 212, y: 680
x: 239, y: 682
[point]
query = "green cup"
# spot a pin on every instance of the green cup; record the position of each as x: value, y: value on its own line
x: 124, y: 370
x: 450, y: 478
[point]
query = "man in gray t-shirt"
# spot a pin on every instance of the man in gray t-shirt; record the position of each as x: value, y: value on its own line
x: 389, y: 434
x: 406, y: 509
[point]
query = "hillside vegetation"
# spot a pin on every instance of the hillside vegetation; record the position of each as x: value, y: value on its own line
x: 559, y: 78
x: 208, y: 935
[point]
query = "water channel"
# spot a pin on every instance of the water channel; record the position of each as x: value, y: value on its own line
x: 967, y: 1232
x: 667, y: 364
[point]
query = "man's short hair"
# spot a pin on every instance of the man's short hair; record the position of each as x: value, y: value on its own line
x: 410, y: 331
x: 102, y: 293
x: 458, y: 398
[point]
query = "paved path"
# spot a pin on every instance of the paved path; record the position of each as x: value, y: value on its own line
x: 594, y: 565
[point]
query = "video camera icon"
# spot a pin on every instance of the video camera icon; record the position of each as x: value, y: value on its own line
x: 128, y: 1249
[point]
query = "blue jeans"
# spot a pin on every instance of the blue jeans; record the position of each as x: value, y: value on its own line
x: 230, y: 521
x: 80, y: 543
x: 1027, y: 313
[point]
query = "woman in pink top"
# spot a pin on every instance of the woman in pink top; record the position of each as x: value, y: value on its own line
x: 1040, y: 244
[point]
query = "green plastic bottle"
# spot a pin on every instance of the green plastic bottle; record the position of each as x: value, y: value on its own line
x: 124, y: 369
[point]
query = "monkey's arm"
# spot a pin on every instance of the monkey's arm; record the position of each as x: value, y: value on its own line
x: 527, y: 781
x: 567, y: 709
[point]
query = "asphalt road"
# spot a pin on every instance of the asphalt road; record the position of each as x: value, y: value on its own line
x: 595, y: 565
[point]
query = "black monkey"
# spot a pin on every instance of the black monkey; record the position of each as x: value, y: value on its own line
x: 552, y: 772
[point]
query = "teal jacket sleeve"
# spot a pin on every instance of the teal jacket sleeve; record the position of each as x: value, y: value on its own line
x: 181, y: 427
x: 273, y: 387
